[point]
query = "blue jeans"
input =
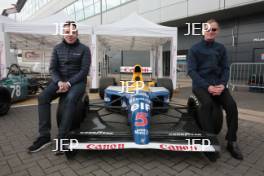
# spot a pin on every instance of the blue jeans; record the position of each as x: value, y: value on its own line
x: 71, y: 98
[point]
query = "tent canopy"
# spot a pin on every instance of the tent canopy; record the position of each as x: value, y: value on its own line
x: 42, y: 33
x: 133, y: 33
x: 3, y: 20
x: 45, y: 26
x: 135, y: 25
x: 130, y: 42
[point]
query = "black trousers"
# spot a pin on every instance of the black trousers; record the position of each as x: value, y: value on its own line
x: 228, y: 104
x: 71, y: 99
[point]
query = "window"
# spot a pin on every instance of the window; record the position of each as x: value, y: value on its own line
x: 89, y: 11
x: 124, y: 1
x: 87, y: 3
x: 79, y: 15
x: 78, y: 5
x: 104, y: 5
x: 97, y: 6
x: 42, y: 2
x: 112, y: 3
x: 70, y: 9
x: 87, y: 8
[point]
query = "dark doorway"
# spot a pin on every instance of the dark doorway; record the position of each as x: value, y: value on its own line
x: 166, y: 63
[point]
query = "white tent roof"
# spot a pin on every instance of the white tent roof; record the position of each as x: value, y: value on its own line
x: 3, y: 20
x: 135, y: 25
x: 133, y: 33
x: 46, y: 26
x: 41, y: 33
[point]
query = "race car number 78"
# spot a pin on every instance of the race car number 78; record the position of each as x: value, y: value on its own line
x: 16, y: 90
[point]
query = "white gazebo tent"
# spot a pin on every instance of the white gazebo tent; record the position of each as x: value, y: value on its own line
x: 42, y: 34
x: 134, y: 33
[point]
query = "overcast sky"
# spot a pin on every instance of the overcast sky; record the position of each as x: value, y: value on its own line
x: 4, y: 4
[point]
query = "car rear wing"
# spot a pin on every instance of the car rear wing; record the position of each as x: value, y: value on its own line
x: 127, y: 71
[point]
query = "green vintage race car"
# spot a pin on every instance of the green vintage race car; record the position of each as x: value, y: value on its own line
x: 18, y: 86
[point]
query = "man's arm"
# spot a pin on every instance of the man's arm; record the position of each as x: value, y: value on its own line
x: 192, y: 70
x: 224, y: 68
x: 85, y: 67
x: 54, y: 67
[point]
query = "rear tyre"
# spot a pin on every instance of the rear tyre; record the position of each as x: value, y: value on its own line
x: 217, y: 115
x: 194, y: 106
x: 80, y: 111
x: 5, y: 101
x: 166, y: 83
x: 104, y: 83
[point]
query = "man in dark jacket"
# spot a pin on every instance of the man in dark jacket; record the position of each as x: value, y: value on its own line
x: 209, y: 70
x: 69, y: 67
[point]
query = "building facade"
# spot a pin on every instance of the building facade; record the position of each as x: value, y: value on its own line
x: 241, y: 21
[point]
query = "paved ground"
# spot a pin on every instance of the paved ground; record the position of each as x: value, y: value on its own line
x: 19, y: 128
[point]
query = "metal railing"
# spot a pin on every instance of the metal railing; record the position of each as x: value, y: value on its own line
x: 249, y: 75
x: 182, y: 72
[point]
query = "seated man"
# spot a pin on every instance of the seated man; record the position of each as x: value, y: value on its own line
x: 209, y: 70
x: 69, y: 67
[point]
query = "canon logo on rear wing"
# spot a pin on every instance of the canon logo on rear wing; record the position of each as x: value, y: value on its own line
x: 127, y: 69
x: 172, y: 147
x: 105, y: 146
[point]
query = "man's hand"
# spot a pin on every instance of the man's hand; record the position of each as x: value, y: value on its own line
x: 220, y: 87
x: 63, y: 87
x: 216, y: 90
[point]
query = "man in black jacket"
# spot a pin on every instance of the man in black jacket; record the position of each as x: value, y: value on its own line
x: 69, y: 67
x: 209, y: 70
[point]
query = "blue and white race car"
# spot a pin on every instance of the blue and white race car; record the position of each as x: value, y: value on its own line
x: 138, y: 115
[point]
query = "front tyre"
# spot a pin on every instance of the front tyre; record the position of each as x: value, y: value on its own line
x: 166, y: 83
x: 104, y: 83
x: 194, y: 106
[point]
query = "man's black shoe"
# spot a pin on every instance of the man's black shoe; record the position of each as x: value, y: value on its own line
x: 212, y: 156
x: 60, y: 148
x: 59, y: 152
x: 234, y: 150
x: 39, y: 144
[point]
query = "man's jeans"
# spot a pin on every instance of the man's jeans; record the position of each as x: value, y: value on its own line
x: 72, y: 97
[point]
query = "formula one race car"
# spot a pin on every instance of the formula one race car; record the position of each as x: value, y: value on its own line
x: 18, y: 86
x: 136, y: 116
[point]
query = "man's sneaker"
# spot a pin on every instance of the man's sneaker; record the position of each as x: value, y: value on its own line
x: 60, y: 148
x: 39, y: 144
